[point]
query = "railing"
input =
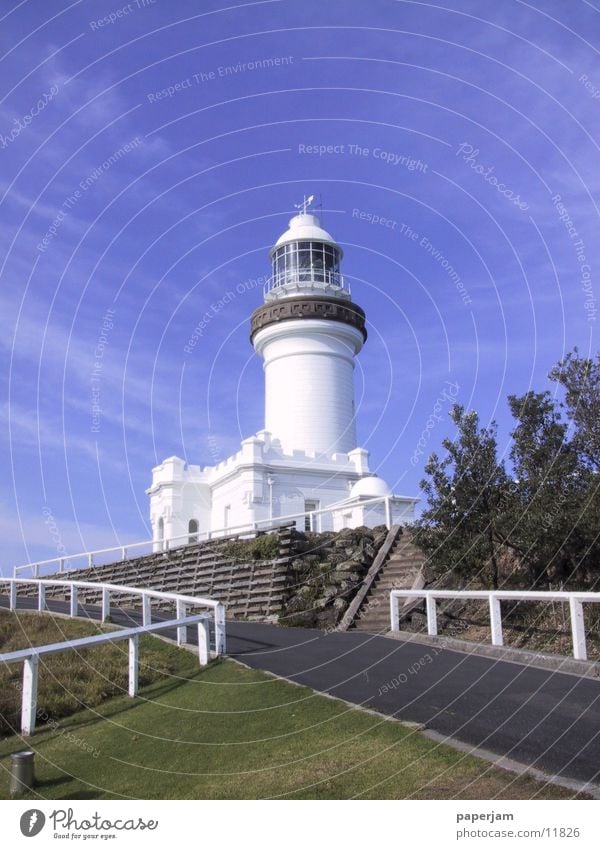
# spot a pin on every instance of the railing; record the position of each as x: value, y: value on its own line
x: 367, y: 582
x: 576, y: 601
x: 89, y: 558
x: 306, y: 278
x: 182, y: 602
x: 30, y: 657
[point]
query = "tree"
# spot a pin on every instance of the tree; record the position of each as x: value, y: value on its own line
x: 547, y: 514
x: 468, y: 498
x: 580, y: 378
x: 549, y: 484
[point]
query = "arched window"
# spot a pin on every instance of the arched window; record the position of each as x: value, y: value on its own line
x: 193, y: 531
x: 161, y: 532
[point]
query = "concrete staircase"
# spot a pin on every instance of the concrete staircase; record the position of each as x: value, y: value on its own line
x: 250, y: 590
x: 403, y: 569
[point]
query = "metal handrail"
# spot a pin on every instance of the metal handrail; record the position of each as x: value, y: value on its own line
x: 317, y: 279
x: 575, y: 599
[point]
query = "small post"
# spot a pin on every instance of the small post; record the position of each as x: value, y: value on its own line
x: 182, y: 629
x: 73, y: 610
x: 432, y: 628
x: 61, y: 564
x: 22, y: 776
x: 133, y: 665
x: 495, y: 620
x: 394, y: 614
x: 123, y: 553
x: 146, y: 610
x: 220, y: 636
x: 29, y: 699
x: 388, y: 513
x: 577, y: 628
x: 90, y: 560
x: 105, y: 604
x: 36, y: 570
x: 203, y: 642
x: 41, y: 597
x: 13, y: 596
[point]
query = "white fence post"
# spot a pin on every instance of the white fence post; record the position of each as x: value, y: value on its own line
x: 203, y: 642
x: 146, y: 609
x: 90, y: 560
x: 181, y: 630
x: 220, y: 639
x: 13, y: 596
x: 394, y: 615
x: 578, y: 629
x: 29, y: 698
x: 495, y: 620
x: 41, y: 597
x: 134, y: 649
x: 432, y: 628
x: 74, y: 593
x: 105, y: 604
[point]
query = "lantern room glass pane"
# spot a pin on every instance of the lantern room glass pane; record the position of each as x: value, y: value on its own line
x: 305, y: 262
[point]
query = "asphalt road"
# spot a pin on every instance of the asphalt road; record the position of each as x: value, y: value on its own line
x: 544, y: 719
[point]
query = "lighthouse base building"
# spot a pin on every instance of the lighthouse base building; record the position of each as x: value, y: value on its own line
x: 305, y: 465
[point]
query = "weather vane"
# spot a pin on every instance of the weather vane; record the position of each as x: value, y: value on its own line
x: 305, y: 204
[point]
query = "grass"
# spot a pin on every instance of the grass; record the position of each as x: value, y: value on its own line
x: 228, y: 732
x: 264, y: 547
x: 70, y: 680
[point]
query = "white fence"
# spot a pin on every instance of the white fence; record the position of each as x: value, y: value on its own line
x: 576, y: 600
x: 30, y: 656
x: 310, y: 520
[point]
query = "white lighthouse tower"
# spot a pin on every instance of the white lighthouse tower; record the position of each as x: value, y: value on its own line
x: 305, y: 463
x: 308, y: 332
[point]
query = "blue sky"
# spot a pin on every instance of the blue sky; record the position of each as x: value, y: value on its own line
x: 151, y: 153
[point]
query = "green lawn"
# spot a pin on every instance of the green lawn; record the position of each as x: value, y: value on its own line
x: 71, y: 679
x: 228, y: 732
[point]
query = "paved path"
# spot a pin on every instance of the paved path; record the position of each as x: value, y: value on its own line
x: 544, y: 719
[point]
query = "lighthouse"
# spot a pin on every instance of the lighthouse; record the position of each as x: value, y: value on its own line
x: 305, y: 465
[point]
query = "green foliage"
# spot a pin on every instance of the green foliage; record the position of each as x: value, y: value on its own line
x: 467, y: 495
x: 265, y: 547
x: 580, y: 378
